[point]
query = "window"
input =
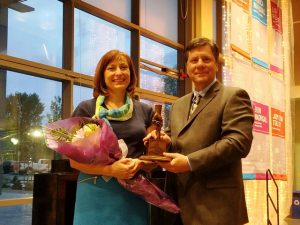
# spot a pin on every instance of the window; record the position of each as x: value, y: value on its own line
x: 47, y: 68
x: 158, y: 53
x: 93, y: 37
x: 160, y: 17
x: 158, y: 57
x: 32, y: 20
x: 158, y: 83
x: 27, y: 103
x: 81, y: 94
x: 121, y: 8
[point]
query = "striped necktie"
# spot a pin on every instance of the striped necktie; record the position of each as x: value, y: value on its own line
x: 195, y: 102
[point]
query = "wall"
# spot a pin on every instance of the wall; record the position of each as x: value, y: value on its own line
x: 297, y: 146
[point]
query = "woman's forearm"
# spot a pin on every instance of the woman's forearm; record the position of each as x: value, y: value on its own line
x: 91, y: 169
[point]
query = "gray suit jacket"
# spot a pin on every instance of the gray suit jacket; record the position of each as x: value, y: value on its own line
x: 215, y: 138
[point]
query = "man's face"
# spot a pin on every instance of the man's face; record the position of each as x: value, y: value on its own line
x: 201, y: 66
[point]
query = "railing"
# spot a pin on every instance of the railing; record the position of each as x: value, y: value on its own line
x: 269, y: 198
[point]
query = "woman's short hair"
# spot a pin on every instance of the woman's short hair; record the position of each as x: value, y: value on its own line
x: 199, y: 42
x: 100, y: 87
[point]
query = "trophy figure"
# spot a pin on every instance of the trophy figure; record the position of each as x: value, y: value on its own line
x: 156, y: 147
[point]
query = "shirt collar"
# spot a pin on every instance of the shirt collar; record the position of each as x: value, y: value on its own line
x: 203, y: 92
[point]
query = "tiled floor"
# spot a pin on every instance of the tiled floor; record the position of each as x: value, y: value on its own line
x: 21, y: 214
x: 17, y: 214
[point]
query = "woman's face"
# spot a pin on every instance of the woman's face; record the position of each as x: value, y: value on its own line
x: 117, y: 75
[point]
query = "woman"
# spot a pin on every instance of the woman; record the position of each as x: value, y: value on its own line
x: 100, y: 200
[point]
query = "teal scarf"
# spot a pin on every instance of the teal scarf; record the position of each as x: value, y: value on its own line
x: 121, y: 114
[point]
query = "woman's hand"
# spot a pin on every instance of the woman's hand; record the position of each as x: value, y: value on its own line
x: 125, y: 168
x: 148, y: 166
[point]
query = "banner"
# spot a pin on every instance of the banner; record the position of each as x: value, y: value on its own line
x: 239, y: 26
x: 278, y: 158
x: 261, y: 117
x: 261, y: 85
x: 260, y: 33
x: 278, y: 123
x: 258, y: 159
x: 276, y: 53
x: 241, y: 73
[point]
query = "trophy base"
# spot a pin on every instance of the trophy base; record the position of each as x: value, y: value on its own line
x: 155, y: 158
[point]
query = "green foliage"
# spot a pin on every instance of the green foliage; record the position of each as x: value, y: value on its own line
x: 56, y: 109
x: 23, y: 112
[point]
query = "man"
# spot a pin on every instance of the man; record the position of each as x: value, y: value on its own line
x: 207, y: 144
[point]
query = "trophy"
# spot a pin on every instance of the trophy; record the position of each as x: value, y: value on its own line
x: 156, y: 147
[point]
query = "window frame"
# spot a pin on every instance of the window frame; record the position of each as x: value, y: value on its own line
x: 69, y: 78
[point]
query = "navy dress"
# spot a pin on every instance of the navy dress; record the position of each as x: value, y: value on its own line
x: 100, y: 202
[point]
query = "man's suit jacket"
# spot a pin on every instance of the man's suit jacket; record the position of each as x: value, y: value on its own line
x: 215, y: 138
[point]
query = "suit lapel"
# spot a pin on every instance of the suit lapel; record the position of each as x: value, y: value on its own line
x: 204, y: 102
x: 184, y: 110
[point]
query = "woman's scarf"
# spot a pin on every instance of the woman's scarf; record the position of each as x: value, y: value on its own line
x: 121, y: 114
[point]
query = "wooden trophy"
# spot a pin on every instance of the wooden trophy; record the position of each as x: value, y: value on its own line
x: 156, y: 147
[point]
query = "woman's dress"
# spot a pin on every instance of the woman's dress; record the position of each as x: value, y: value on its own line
x: 101, y: 202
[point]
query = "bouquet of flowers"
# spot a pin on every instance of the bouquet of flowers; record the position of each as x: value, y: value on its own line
x: 70, y: 136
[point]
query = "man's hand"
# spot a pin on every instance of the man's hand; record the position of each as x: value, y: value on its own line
x: 178, y: 164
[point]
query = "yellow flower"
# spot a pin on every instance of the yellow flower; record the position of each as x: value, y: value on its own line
x: 89, y: 128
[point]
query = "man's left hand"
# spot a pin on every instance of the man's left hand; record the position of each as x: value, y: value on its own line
x: 179, y: 163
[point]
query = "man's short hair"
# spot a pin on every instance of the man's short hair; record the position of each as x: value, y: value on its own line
x: 199, y: 42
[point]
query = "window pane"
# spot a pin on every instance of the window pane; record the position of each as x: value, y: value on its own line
x: 158, y: 53
x: 160, y: 17
x: 120, y: 8
x: 158, y: 83
x: 93, y: 38
x: 81, y: 94
x: 164, y: 112
x: 27, y: 103
x: 32, y: 31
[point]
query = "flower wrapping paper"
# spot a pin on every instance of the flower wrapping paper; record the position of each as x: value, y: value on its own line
x: 101, y: 147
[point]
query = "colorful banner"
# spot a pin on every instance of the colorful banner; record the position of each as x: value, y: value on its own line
x: 242, y: 3
x: 259, y: 10
x: 263, y: 46
x: 241, y: 73
x: 276, y: 16
x: 278, y: 93
x: 260, y: 85
x: 278, y: 158
x: 260, y: 46
x: 278, y: 122
x: 261, y: 117
x: 258, y: 160
x: 239, y: 27
x: 276, y: 53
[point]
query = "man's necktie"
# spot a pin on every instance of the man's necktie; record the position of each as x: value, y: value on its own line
x: 195, y: 102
